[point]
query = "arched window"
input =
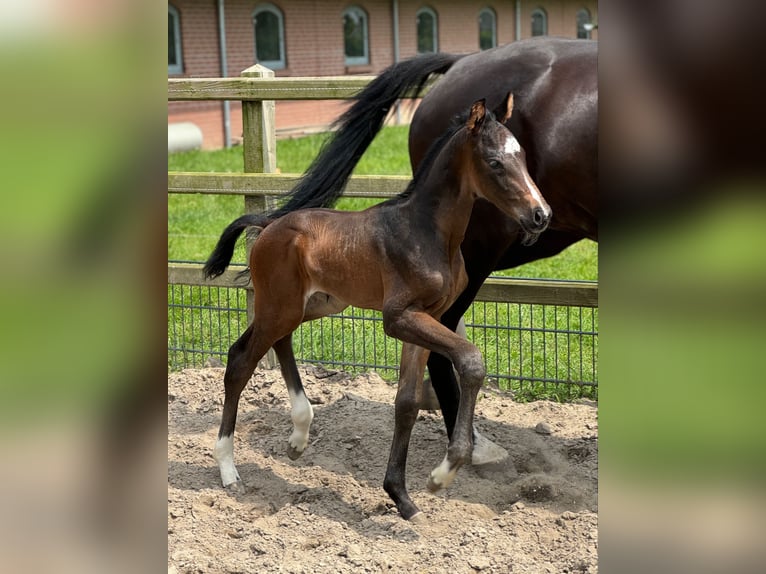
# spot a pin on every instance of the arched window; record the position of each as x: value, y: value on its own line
x: 175, y: 61
x: 428, y: 31
x: 583, y: 17
x: 539, y: 22
x: 487, y: 29
x: 356, y: 43
x: 269, y: 25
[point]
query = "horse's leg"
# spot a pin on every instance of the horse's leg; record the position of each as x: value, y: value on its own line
x: 421, y: 329
x: 445, y: 384
x: 469, y: 364
x: 300, y: 409
x: 244, y: 355
x: 406, y: 405
x: 274, y: 318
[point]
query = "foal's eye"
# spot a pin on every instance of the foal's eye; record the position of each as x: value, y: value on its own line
x: 494, y: 164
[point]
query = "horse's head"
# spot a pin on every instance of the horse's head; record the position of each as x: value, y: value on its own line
x: 499, y: 172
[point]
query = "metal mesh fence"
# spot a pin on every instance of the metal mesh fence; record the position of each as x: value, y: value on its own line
x: 536, y: 351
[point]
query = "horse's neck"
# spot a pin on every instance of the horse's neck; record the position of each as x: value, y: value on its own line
x: 445, y: 202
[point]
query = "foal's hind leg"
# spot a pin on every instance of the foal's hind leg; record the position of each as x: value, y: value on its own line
x: 244, y: 355
x: 301, y: 412
x: 238, y: 371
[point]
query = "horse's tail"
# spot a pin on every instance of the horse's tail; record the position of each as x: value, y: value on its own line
x: 224, y: 250
x: 323, y: 182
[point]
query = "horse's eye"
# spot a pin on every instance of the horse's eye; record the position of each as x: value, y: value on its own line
x: 494, y: 164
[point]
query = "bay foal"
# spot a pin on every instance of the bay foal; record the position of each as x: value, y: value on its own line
x: 401, y: 257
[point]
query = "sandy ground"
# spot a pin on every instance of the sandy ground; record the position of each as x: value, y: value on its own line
x: 327, y: 511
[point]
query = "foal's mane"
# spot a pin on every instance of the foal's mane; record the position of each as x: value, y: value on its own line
x: 434, y: 150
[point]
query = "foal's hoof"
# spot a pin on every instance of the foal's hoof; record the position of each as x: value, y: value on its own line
x: 236, y: 487
x: 440, y: 477
x: 417, y: 518
x: 293, y: 453
x: 432, y: 485
x: 435, y: 484
x: 410, y: 512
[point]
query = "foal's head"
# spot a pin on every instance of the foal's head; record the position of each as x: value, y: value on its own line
x: 498, y: 169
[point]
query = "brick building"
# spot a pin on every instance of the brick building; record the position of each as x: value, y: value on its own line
x: 332, y: 38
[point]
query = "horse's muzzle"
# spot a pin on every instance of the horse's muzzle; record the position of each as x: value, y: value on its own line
x: 535, y: 225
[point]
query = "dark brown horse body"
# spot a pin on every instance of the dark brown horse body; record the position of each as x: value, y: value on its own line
x: 401, y: 257
x: 555, y: 119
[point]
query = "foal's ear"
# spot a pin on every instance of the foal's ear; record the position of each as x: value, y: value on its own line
x: 505, y: 109
x: 477, y: 115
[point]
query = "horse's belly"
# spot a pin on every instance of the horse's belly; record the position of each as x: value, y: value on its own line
x: 338, y: 291
x: 320, y: 304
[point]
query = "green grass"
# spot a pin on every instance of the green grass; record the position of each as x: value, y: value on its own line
x: 521, y: 350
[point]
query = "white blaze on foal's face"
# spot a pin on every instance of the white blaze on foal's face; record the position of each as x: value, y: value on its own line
x: 511, y: 145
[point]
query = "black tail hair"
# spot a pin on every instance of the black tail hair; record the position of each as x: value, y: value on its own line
x: 224, y: 250
x: 323, y: 182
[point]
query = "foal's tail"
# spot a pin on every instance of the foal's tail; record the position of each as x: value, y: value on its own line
x: 323, y: 182
x: 224, y: 250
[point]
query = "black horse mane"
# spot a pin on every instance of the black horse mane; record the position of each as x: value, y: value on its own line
x: 324, y: 180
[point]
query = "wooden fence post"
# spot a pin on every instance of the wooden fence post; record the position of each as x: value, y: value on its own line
x: 259, y: 146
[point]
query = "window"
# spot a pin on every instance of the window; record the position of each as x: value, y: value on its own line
x: 427, y: 31
x: 539, y: 22
x: 356, y: 47
x: 583, y: 17
x: 487, y: 29
x: 269, y: 36
x: 175, y: 65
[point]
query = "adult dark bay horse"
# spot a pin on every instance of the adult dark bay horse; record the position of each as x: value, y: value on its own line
x: 401, y: 257
x: 554, y: 82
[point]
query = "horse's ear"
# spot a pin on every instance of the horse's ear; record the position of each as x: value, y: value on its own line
x: 477, y: 115
x: 505, y: 109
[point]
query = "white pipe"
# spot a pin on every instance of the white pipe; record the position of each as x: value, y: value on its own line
x: 224, y: 73
x: 395, y: 18
x: 518, y: 19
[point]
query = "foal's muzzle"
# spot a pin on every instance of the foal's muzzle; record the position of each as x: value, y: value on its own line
x: 537, y: 222
x: 540, y: 219
x: 534, y: 225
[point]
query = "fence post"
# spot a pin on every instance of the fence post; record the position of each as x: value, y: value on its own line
x: 259, y: 146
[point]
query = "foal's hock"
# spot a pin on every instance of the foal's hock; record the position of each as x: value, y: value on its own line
x: 401, y: 257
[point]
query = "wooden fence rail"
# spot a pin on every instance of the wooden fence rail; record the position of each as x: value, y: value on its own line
x: 495, y: 289
x: 258, y: 88
x: 272, y: 184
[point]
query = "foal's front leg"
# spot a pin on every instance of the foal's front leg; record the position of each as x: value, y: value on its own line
x: 421, y: 329
x: 469, y: 364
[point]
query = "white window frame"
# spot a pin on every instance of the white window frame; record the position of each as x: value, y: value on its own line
x: 358, y: 60
x: 178, y: 67
x: 588, y: 20
x: 492, y: 14
x: 435, y: 17
x: 544, y: 15
x: 280, y: 64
